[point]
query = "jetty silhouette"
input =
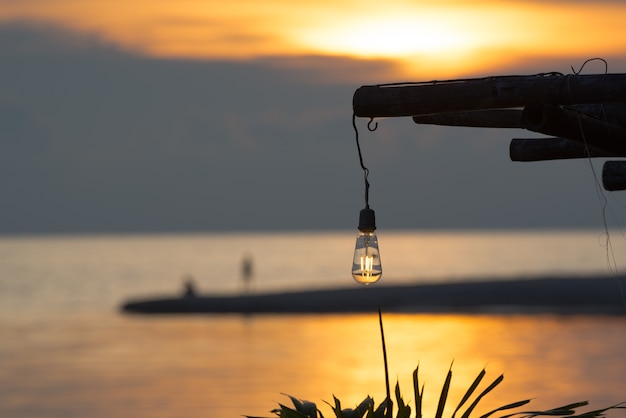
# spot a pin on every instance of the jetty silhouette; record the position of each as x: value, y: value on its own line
x: 552, y: 295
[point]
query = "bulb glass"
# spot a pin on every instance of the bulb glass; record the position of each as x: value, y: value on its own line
x: 366, y: 267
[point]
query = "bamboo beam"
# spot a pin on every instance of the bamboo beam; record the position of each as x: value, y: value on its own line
x: 415, y: 99
x: 497, y: 118
x: 575, y: 126
x: 614, y: 113
x: 614, y: 175
x: 542, y: 149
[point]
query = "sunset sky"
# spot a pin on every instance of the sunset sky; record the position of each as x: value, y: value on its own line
x: 155, y: 115
x: 448, y: 37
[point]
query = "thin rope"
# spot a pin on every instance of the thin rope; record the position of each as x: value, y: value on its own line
x: 461, y: 80
x: 610, y: 254
x: 365, y: 170
x: 599, y: 190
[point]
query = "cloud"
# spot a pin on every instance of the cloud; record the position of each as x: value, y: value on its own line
x: 95, y: 139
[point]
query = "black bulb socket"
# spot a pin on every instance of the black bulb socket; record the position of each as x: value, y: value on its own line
x: 367, y: 220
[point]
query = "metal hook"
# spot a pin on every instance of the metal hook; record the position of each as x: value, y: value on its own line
x: 369, y: 125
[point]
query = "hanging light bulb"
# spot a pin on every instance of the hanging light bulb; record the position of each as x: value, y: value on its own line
x: 366, y: 267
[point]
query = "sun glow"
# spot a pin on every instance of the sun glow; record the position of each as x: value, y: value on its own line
x: 431, y: 35
x: 458, y: 36
x: 392, y: 37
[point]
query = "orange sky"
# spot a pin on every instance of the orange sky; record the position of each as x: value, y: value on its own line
x: 450, y: 36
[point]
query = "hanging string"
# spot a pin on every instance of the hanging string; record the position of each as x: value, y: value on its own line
x: 599, y: 190
x: 606, y: 66
x: 365, y: 170
x: 461, y: 80
x: 610, y: 255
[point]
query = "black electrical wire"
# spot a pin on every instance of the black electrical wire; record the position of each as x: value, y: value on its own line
x: 365, y: 170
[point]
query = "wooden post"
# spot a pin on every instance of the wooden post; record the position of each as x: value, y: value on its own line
x: 415, y: 99
x: 541, y: 149
x: 586, y: 114
x: 576, y: 126
x: 614, y: 175
x: 498, y: 118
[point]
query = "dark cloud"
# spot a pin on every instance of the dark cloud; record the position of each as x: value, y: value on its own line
x: 93, y: 139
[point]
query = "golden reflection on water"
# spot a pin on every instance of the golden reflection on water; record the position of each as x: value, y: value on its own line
x: 548, y: 358
x: 223, y: 366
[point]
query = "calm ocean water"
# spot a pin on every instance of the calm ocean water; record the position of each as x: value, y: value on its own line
x: 66, y: 351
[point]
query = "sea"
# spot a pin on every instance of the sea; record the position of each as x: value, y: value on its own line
x: 66, y: 349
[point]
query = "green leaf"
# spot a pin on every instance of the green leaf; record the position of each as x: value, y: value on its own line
x: 362, y: 408
x: 489, y: 388
x: 296, y: 402
x: 404, y: 411
x: 399, y: 399
x: 416, y: 393
x: 569, y: 410
x: 444, y: 394
x: 505, y: 407
x: 566, y: 409
x: 382, y: 408
x: 592, y: 414
x: 470, y: 391
x: 572, y: 405
x: 309, y: 409
x: 600, y: 412
x: 374, y: 414
x: 336, y: 408
x: 286, y: 412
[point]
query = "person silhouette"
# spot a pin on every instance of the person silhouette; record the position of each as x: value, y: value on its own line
x: 247, y: 272
x: 190, y: 287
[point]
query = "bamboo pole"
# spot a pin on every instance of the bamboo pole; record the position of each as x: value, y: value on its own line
x: 500, y: 92
x: 497, y: 118
x: 542, y: 149
x: 575, y: 126
x: 614, y: 175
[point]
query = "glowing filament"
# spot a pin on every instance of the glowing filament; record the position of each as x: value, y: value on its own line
x: 366, y: 266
